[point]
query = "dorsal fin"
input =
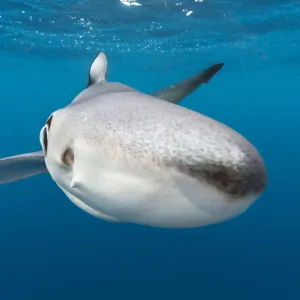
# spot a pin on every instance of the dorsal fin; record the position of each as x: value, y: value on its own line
x: 98, y: 69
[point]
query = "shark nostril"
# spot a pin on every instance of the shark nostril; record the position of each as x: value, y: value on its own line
x: 67, y: 156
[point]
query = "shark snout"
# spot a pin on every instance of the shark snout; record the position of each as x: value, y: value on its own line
x: 239, y: 180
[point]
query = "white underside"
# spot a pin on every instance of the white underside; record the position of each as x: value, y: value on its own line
x: 158, y: 198
x: 87, y: 208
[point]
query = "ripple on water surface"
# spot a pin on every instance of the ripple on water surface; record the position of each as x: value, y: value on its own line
x: 265, y: 30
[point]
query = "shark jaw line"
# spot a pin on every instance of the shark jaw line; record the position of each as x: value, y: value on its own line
x: 87, y: 207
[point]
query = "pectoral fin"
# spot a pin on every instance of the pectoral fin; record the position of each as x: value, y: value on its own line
x: 178, y: 91
x: 21, y: 166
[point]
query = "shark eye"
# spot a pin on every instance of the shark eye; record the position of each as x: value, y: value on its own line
x: 45, y: 140
x: 67, y: 157
x: 49, y: 121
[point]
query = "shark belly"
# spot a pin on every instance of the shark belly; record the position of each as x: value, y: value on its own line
x: 159, y: 198
x: 85, y: 207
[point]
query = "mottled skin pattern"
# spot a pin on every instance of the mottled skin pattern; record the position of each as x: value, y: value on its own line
x: 124, y: 156
x: 132, y: 128
x: 102, y: 88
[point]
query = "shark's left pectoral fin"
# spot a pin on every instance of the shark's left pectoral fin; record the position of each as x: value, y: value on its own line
x: 21, y: 166
x: 178, y: 91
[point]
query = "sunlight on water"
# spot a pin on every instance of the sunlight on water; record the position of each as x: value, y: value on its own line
x: 130, y: 2
x: 79, y: 27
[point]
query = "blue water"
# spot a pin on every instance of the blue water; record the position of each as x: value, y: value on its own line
x: 50, y: 249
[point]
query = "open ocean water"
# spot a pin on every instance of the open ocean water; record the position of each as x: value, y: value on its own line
x: 50, y: 249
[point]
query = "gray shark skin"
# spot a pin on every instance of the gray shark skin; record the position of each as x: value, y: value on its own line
x: 22, y: 166
x: 129, y: 157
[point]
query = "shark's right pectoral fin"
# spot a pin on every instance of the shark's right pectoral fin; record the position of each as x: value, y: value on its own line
x: 178, y: 91
x: 19, y: 167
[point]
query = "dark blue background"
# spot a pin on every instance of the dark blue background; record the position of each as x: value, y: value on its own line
x: 50, y: 249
